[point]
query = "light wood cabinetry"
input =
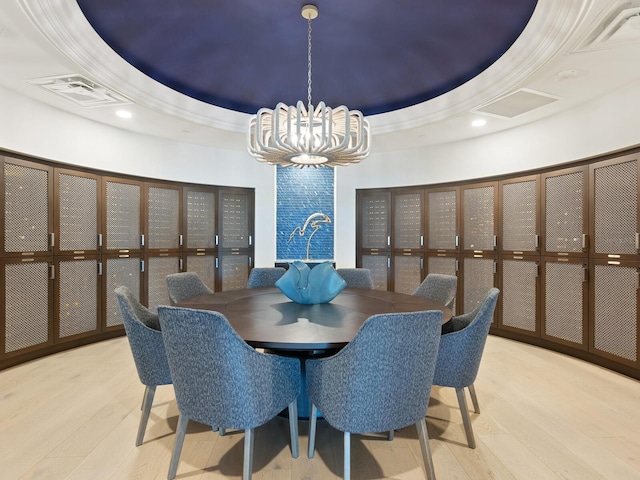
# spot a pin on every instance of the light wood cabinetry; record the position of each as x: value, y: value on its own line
x: 561, y: 244
x: 71, y: 236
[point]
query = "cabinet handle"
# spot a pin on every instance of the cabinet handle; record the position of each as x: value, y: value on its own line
x: 585, y: 274
x: 457, y: 266
x: 250, y: 240
x: 388, y: 262
x: 99, y: 239
x: 536, y: 241
x: 142, y: 240
x: 180, y: 264
x: 52, y: 239
x: 180, y: 240
x: 250, y: 261
x: 388, y: 240
x: 52, y: 272
x: 99, y: 269
x: 217, y: 261
x: 216, y: 240
x: 457, y: 241
x: 422, y: 240
x: 637, y: 241
x: 142, y: 266
x: 495, y: 267
x: 495, y: 242
x: 421, y: 263
x: 584, y: 241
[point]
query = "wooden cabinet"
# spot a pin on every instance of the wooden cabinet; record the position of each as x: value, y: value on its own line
x: 72, y: 236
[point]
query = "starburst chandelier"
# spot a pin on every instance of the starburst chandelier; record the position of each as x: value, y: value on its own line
x: 306, y: 136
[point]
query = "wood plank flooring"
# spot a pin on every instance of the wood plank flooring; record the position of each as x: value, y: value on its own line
x: 74, y: 415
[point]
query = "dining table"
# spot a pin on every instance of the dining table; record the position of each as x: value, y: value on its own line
x: 265, y: 318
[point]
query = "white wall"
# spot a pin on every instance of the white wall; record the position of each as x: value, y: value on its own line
x: 599, y: 127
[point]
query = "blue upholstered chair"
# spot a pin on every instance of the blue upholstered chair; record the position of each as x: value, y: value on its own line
x: 185, y: 285
x: 460, y: 354
x: 220, y: 380
x: 438, y: 287
x: 356, y: 277
x: 264, y: 276
x: 379, y: 382
x: 145, y: 339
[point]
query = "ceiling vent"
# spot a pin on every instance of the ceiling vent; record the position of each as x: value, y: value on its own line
x: 618, y: 26
x: 80, y: 90
x: 516, y: 103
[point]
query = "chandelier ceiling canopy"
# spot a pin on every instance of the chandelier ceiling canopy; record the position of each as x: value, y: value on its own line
x: 308, y: 136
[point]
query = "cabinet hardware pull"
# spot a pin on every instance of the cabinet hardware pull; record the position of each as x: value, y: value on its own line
x: 457, y: 241
x: 536, y: 240
x: 180, y: 238
x: 422, y: 240
x: 52, y: 272
x: 142, y: 266
x: 216, y: 240
x: 142, y: 240
x: 584, y: 241
x: 495, y: 241
x: 250, y: 240
x: 180, y: 264
x: 52, y: 239
x: 99, y: 269
x: 99, y: 239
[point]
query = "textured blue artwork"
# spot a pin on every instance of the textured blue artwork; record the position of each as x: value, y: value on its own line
x: 304, y: 214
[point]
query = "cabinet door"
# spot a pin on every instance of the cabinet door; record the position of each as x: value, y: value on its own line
x: 374, y: 211
x: 614, y: 230
x: 28, y: 209
x: 519, y: 295
x: 77, y: 297
x: 379, y: 264
x: 27, y: 305
x: 442, y: 220
x: 407, y: 272
x: 120, y: 270
x: 519, y: 220
x: 76, y: 213
x: 564, y: 305
x: 157, y: 269
x: 478, y: 218
x: 445, y: 264
x: 163, y: 218
x: 123, y: 215
x: 478, y: 275
x: 408, y: 230
x: 615, y: 324
x: 235, y: 214
x: 204, y: 265
x: 233, y: 270
x: 564, y: 213
x: 200, y: 218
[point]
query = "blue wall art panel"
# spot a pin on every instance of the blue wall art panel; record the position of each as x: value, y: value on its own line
x: 304, y: 215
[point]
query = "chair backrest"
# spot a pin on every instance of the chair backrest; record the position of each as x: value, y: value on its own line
x: 264, y: 276
x: 185, y: 285
x: 219, y: 379
x: 356, y: 277
x: 438, y: 287
x: 145, y: 339
x: 461, y: 350
x: 382, y: 379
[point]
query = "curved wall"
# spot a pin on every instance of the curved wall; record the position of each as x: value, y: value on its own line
x: 602, y: 126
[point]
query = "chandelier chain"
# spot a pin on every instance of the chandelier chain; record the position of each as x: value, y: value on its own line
x: 309, y: 63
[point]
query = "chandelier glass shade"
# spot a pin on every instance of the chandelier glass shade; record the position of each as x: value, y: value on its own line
x: 306, y: 136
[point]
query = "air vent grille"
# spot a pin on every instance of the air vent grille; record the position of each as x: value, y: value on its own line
x: 516, y: 103
x: 80, y: 91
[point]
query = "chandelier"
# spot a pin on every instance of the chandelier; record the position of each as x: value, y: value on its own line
x: 306, y: 136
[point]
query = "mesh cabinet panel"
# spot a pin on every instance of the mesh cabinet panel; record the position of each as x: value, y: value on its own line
x: 234, y: 227
x: 26, y: 209
x: 407, y: 273
x: 26, y: 305
x: 234, y: 270
x: 78, y: 302
x: 158, y: 269
x: 120, y: 271
x: 477, y: 280
x: 164, y: 218
x: 445, y: 266
x: 201, y: 227
x: 563, y: 299
x: 615, y: 325
x: 519, y: 214
x: 616, y: 208
x: 443, y: 211
x: 123, y: 216
x: 407, y: 228
x: 478, y: 218
x: 378, y: 266
x: 204, y: 266
x: 375, y: 221
x: 519, y: 294
x: 78, y: 212
x: 564, y: 212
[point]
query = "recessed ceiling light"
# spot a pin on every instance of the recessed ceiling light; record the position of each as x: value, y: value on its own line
x: 479, y: 122
x: 124, y: 114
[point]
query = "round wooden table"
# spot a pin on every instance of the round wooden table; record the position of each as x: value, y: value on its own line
x: 266, y: 318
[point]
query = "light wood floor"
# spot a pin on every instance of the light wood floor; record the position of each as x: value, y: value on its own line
x: 74, y: 415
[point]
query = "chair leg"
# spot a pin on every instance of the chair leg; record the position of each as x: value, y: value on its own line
x: 390, y: 435
x: 474, y: 398
x: 147, y: 400
x: 293, y: 427
x: 313, y: 415
x: 423, y: 435
x: 347, y: 456
x: 177, y: 446
x: 247, y: 467
x: 462, y: 401
x: 222, y: 431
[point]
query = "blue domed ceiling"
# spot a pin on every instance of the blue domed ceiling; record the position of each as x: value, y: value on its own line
x: 371, y: 55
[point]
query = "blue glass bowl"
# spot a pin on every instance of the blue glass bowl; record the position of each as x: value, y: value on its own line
x: 309, y: 286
